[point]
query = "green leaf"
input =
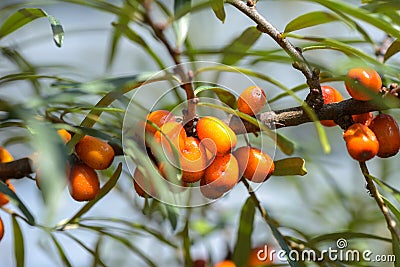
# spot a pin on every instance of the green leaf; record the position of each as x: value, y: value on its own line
x: 25, y: 16
x: 19, y: 248
x: 103, y: 192
x: 96, y: 256
x: 224, y: 95
x: 393, y: 49
x: 385, y: 186
x: 242, y: 43
x: 282, y: 243
x: 7, y: 191
x: 218, y: 8
x: 172, y: 215
x: 243, y: 242
x: 392, y: 208
x: 309, y: 20
x: 60, y: 251
x: 290, y: 166
x: 396, y: 250
x: 181, y: 25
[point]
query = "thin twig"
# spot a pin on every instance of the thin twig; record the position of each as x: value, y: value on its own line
x: 391, y: 223
x: 314, y: 99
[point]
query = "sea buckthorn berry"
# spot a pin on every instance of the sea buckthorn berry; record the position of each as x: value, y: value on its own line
x: 364, y: 118
x: 223, y: 173
x: 84, y: 184
x: 5, y: 156
x: 252, y: 100
x: 330, y: 95
x: 216, y: 135
x: 193, y: 160
x: 158, y: 117
x: 1, y: 229
x: 259, y: 259
x: 143, y: 187
x: 254, y: 164
x: 225, y: 263
x: 4, y: 199
x: 65, y: 136
x: 169, y: 172
x: 208, y: 190
x: 387, y: 132
x: 361, y: 142
x: 94, y: 152
x: 362, y: 83
x: 172, y: 132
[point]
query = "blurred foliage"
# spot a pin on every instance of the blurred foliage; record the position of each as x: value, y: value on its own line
x: 97, y: 107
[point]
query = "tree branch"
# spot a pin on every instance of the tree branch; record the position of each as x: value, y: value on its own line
x: 391, y: 223
x: 314, y: 98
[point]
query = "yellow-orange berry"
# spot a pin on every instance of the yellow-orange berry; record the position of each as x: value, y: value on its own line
x: 363, y: 83
x: 208, y: 190
x: 252, y: 100
x: 254, y: 164
x: 4, y: 199
x: 158, y: 117
x: 364, y: 118
x: 65, y: 136
x: 257, y: 258
x: 216, y: 135
x: 361, y: 142
x: 225, y: 263
x: 330, y: 95
x: 94, y: 152
x: 5, y: 156
x: 143, y: 187
x: 84, y: 184
x: 1, y: 229
x: 387, y: 132
x: 193, y: 160
x: 223, y: 173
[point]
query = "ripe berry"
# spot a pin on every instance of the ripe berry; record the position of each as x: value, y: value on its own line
x: 4, y: 199
x: 259, y: 259
x: 225, y: 263
x: 387, y: 132
x: 252, y: 100
x: 362, y: 83
x: 65, y: 136
x: 158, y: 117
x: 94, y: 152
x: 84, y: 183
x: 361, y: 142
x: 216, y: 135
x: 208, y: 190
x: 223, y: 173
x: 193, y: 160
x: 1, y: 229
x: 142, y: 186
x: 364, y: 118
x: 330, y: 95
x: 174, y: 132
x: 5, y: 156
x: 254, y: 164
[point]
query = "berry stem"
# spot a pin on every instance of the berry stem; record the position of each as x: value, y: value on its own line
x: 373, y: 190
x: 314, y: 98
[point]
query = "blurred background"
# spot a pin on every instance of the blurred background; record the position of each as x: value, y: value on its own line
x: 330, y: 198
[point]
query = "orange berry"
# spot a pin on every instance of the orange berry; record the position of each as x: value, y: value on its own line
x: 1, y: 229
x: 158, y: 117
x: 208, y: 190
x: 168, y: 171
x: 142, y: 185
x: 225, y: 263
x: 387, y: 132
x: 361, y: 83
x: 216, y: 135
x: 199, y: 263
x: 94, y: 152
x: 255, y: 255
x: 252, y: 100
x: 330, y: 95
x: 84, y: 183
x: 364, y: 118
x: 4, y: 199
x: 254, y: 164
x: 223, y: 173
x: 361, y: 142
x: 65, y: 136
x: 173, y: 131
x: 5, y: 156
x: 193, y: 160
